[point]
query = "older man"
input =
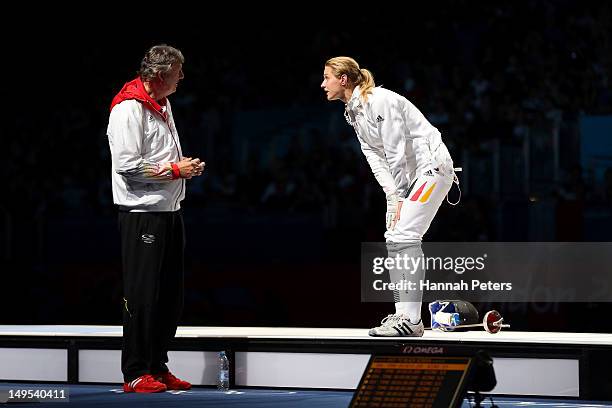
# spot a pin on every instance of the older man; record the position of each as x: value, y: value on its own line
x: 148, y: 179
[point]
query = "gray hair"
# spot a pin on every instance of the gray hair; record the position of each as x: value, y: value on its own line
x: 159, y: 59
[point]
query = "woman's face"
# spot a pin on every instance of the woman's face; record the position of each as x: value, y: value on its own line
x: 332, y: 85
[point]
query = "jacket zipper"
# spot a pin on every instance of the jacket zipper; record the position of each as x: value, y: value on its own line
x: 178, y: 151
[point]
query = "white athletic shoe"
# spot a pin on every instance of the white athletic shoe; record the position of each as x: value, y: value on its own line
x: 397, y: 325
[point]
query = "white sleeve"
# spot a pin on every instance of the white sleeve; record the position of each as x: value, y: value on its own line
x: 125, y: 135
x: 393, y: 131
x: 378, y: 163
x: 421, y: 135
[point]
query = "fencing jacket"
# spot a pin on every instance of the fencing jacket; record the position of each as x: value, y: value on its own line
x: 144, y: 143
x: 397, y: 140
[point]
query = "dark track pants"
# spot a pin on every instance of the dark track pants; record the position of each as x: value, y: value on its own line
x: 152, y: 246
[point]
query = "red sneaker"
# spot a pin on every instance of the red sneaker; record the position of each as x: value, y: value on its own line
x: 172, y: 382
x: 144, y: 383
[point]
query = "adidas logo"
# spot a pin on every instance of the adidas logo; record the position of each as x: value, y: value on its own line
x: 430, y: 173
x: 379, y: 119
x: 148, y: 238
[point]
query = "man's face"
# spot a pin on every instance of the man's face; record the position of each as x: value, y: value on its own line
x: 171, y: 79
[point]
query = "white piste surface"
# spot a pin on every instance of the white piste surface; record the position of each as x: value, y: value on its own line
x: 305, y: 333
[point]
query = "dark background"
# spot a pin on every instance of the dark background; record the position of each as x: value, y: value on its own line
x: 275, y: 225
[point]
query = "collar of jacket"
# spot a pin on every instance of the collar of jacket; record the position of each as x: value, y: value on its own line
x: 351, y: 106
x: 135, y: 90
x: 355, y: 100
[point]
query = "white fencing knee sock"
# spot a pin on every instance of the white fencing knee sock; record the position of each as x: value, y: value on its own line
x: 408, y: 271
x: 410, y: 309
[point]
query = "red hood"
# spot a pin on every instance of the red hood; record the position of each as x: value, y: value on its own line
x: 136, y: 90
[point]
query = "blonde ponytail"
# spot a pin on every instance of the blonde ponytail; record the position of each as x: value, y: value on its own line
x: 367, y: 83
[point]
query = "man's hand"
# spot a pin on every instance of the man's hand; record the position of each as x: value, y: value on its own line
x: 199, y: 169
x: 394, y: 208
x: 189, y: 167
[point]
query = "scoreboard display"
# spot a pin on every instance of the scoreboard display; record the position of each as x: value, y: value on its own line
x: 412, y: 381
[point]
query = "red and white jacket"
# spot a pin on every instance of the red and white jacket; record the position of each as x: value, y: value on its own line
x: 144, y: 145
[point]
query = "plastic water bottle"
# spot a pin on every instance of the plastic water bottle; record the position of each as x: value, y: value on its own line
x: 223, y: 378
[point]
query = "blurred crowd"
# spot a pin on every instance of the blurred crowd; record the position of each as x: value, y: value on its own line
x: 478, y: 71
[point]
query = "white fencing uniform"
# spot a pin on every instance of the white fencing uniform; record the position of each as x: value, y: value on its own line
x: 407, y: 157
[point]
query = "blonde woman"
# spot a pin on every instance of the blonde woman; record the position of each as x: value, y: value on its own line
x: 411, y: 164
